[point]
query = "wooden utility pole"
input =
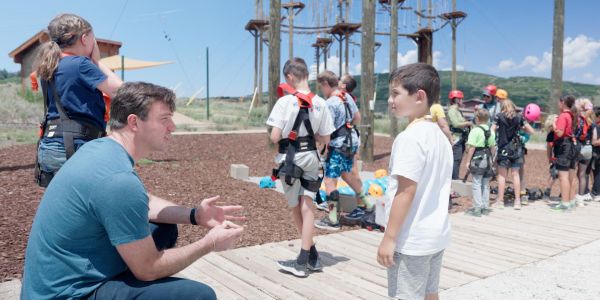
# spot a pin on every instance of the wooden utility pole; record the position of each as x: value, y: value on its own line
x: 274, y: 50
x: 257, y: 27
x: 429, y: 14
x: 393, y: 58
x: 557, y: 54
x: 367, y: 84
x: 291, y: 12
x: 453, y: 24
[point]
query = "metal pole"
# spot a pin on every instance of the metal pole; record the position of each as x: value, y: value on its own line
x: 122, y: 68
x: 207, y: 88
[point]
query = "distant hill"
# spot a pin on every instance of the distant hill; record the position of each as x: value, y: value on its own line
x: 521, y: 89
x: 6, y: 77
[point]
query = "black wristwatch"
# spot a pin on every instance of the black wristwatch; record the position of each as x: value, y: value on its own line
x: 193, y: 216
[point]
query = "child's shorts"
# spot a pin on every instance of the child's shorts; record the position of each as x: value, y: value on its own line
x: 338, y: 164
x: 309, y: 162
x: 413, y: 277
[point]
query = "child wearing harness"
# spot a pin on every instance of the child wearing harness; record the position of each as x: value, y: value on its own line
x: 553, y: 172
x: 340, y: 151
x: 73, y: 80
x: 299, y: 120
x: 480, y: 153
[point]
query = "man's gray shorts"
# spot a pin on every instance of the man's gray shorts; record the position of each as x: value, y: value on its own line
x: 413, y: 277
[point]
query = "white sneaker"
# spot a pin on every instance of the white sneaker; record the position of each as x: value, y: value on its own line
x: 587, y: 197
x: 597, y: 198
x: 579, y: 202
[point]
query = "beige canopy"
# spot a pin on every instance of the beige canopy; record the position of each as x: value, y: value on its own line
x: 118, y: 62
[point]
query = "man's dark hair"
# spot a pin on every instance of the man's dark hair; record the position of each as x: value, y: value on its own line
x: 297, y: 67
x: 136, y: 98
x: 329, y: 77
x: 418, y: 76
x: 350, y: 83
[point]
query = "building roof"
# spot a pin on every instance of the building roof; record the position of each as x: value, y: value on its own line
x: 42, y: 37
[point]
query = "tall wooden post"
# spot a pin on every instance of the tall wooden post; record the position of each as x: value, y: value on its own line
x: 393, y: 58
x: 291, y: 14
x: 425, y: 45
x: 367, y: 84
x: 260, y: 69
x: 274, y: 50
x: 454, y: 25
x: 557, y: 53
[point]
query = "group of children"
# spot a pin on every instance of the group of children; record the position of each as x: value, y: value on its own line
x: 417, y: 230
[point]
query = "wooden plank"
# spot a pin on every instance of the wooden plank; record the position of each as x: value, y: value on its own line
x: 227, y: 279
x: 346, y: 281
x: 543, y: 236
x: 251, y: 258
x: 549, y: 221
x: 252, y: 278
x: 489, y: 252
x: 505, y: 243
x: 495, y: 247
x: 222, y: 291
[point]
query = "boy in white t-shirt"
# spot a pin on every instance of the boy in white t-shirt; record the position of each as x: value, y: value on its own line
x: 299, y: 120
x: 420, y: 169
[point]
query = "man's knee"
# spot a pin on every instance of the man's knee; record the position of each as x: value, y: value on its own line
x: 189, y: 289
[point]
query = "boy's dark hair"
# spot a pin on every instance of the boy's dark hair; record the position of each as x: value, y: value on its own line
x: 350, y: 83
x: 568, y: 100
x: 136, y: 98
x: 418, y: 76
x: 329, y: 77
x: 297, y: 67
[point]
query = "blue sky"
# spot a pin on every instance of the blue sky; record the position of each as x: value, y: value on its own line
x: 504, y: 38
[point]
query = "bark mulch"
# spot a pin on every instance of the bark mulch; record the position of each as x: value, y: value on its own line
x: 193, y: 168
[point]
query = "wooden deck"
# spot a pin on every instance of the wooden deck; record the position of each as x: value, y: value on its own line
x: 481, y: 247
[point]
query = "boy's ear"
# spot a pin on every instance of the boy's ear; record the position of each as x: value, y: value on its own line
x: 421, y: 96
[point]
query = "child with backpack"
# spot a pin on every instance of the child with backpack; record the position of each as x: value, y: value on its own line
x: 510, y: 149
x: 480, y: 153
x: 299, y: 120
x: 583, y: 133
x: 566, y: 152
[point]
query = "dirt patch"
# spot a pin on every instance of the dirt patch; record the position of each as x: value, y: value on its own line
x: 193, y: 168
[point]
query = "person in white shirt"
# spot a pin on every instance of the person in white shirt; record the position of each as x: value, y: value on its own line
x: 299, y: 173
x: 420, y: 169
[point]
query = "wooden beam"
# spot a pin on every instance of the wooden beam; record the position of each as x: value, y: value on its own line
x: 393, y: 58
x: 367, y: 83
x: 556, y: 80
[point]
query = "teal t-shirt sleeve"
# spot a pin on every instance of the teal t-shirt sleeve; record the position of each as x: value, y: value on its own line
x: 122, y: 208
x: 89, y: 74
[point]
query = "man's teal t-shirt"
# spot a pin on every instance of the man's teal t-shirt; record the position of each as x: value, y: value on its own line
x: 95, y: 202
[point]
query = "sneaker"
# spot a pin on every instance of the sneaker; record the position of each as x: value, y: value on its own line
x: 293, y: 267
x: 474, y: 212
x: 547, y: 192
x: 596, y: 198
x: 587, y: 197
x: 323, y: 206
x: 561, y: 207
x: 315, y: 266
x: 517, y: 206
x: 499, y: 204
x: 356, y: 214
x: 326, y: 224
x: 486, y: 211
x: 525, y: 200
x: 579, y: 203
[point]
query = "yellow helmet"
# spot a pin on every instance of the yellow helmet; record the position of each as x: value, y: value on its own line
x: 501, y: 94
x: 375, y: 190
x: 381, y: 173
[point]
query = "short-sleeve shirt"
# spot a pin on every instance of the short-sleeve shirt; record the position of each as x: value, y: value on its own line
x: 477, y: 137
x: 93, y: 204
x: 564, y: 123
x: 340, y: 117
x: 455, y: 117
x: 437, y: 112
x: 284, y: 114
x: 76, y: 79
x: 421, y: 153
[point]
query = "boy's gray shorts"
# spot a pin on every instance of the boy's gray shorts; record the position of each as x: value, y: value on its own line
x: 309, y: 162
x: 413, y: 277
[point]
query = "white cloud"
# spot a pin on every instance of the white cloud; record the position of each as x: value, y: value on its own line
x: 578, y: 52
x: 333, y: 64
x: 458, y: 68
x: 408, y: 58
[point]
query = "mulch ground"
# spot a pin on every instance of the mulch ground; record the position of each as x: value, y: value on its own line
x: 193, y: 168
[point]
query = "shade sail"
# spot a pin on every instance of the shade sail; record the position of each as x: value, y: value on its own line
x: 115, y: 62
